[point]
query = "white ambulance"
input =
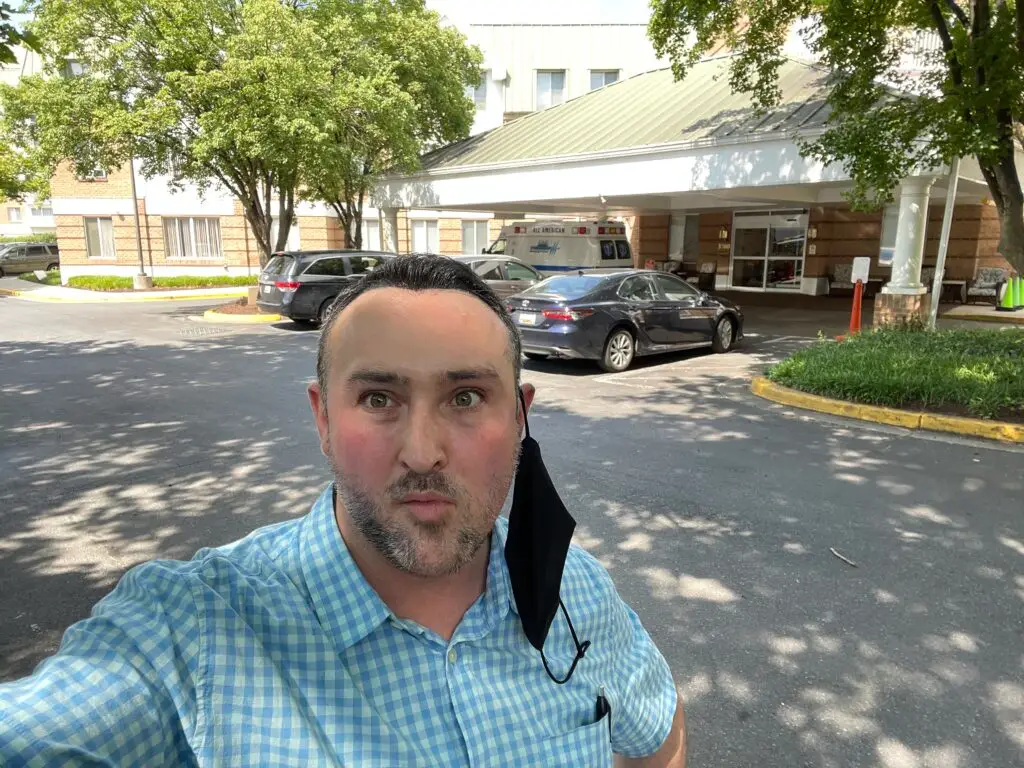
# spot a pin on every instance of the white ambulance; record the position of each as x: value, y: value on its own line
x: 552, y: 247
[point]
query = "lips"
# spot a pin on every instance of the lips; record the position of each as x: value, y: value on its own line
x: 427, y: 508
x: 426, y: 498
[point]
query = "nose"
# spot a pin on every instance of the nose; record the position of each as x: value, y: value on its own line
x: 424, y: 447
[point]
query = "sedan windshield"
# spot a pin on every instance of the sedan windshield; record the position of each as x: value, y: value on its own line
x: 566, y: 286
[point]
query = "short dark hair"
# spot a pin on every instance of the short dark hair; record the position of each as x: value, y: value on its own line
x: 419, y: 273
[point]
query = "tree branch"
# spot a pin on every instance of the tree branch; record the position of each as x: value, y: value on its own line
x: 955, y: 67
x: 958, y: 12
x: 980, y: 25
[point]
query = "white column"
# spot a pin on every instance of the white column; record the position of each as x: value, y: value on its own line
x: 910, y: 239
x: 389, y: 229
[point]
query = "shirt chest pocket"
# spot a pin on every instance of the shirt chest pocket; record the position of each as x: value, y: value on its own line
x: 588, y: 746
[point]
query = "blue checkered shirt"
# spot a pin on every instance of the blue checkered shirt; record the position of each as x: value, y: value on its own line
x: 275, y: 651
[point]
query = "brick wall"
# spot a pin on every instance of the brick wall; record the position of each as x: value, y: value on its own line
x: 710, y: 246
x: 450, y: 236
x: 71, y: 239
x: 650, y: 239
x: 64, y: 183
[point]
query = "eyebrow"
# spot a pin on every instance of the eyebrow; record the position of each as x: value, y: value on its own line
x: 377, y: 377
x: 483, y: 373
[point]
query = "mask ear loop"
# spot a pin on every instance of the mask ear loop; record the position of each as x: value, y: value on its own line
x: 522, y: 402
x: 581, y: 650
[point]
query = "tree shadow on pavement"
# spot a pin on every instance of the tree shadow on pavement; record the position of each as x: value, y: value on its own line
x: 132, y: 461
x: 715, y: 513
x: 720, y: 532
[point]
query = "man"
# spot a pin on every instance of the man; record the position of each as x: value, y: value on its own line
x: 385, y: 628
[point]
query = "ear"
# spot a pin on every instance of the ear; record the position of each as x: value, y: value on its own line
x: 318, y: 403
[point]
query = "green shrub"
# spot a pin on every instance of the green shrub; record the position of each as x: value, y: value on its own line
x: 118, y: 283
x: 980, y: 372
x: 48, y: 237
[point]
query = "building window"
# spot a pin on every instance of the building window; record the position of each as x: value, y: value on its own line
x: 371, y: 235
x: 192, y: 238
x: 14, y: 214
x: 99, y: 238
x: 425, y: 236
x: 479, y: 93
x: 599, y: 78
x: 550, y: 88
x: 474, y: 236
x: 96, y: 174
x: 292, y: 243
x: 43, y: 210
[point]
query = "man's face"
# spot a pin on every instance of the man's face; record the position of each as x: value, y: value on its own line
x: 420, y: 424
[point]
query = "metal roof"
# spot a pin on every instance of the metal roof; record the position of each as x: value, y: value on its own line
x: 648, y: 110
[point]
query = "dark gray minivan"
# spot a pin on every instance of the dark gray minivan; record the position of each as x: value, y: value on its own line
x: 301, y: 285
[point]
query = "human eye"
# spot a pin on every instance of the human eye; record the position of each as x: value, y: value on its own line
x: 467, y: 398
x: 377, y: 401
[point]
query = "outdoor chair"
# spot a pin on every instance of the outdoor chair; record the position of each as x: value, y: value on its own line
x: 986, y: 284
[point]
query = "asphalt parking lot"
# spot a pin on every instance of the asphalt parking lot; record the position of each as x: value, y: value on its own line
x: 125, y: 437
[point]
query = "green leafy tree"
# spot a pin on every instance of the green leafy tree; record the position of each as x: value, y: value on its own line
x: 399, y: 87
x: 15, y: 172
x: 206, y: 92
x: 885, y: 122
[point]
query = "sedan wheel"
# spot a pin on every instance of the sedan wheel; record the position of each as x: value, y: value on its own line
x: 724, y: 334
x: 618, y: 351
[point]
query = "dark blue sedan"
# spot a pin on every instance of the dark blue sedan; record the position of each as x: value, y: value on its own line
x: 613, y: 316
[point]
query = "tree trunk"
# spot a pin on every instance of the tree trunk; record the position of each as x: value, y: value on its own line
x: 285, y: 216
x: 1008, y: 196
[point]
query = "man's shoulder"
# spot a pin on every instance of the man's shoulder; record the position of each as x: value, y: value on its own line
x: 584, y: 572
x: 270, y: 551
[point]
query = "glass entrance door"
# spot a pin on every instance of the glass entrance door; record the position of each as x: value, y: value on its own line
x: 768, y: 250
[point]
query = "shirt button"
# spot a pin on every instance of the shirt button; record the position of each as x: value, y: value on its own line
x: 452, y: 656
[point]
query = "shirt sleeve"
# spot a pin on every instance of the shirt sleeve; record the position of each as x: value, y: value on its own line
x: 646, y: 698
x: 640, y: 688
x: 121, y: 689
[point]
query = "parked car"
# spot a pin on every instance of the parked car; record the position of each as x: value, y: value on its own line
x: 613, y: 316
x: 301, y: 285
x: 504, y: 274
x: 16, y: 258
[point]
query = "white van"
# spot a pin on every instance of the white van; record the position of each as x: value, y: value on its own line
x: 551, y: 247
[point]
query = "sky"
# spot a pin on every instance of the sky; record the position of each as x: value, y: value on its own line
x: 541, y: 12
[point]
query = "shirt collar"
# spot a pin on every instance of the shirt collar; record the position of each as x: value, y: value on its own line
x: 347, y: 606
x: 498, y: 580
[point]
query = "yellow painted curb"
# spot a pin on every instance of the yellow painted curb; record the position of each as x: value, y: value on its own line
x: 220, y: 317
x: 992, y: 430
x: 121, y: 298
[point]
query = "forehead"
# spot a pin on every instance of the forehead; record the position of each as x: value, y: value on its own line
x: 418, y: 333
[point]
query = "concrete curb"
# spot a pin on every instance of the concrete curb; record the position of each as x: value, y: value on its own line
x: 121, y: 298
x: 220, y: 317
x: 1002, y: 318
x: 991, y: 430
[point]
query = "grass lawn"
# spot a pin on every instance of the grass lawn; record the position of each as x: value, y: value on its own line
x: 50, y: 278
x: 115, y: 283
x: 965, y: 372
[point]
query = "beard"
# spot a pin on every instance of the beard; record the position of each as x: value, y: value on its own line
x: 418, y: 548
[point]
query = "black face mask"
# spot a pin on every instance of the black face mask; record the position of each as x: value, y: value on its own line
x: 539, y: 531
